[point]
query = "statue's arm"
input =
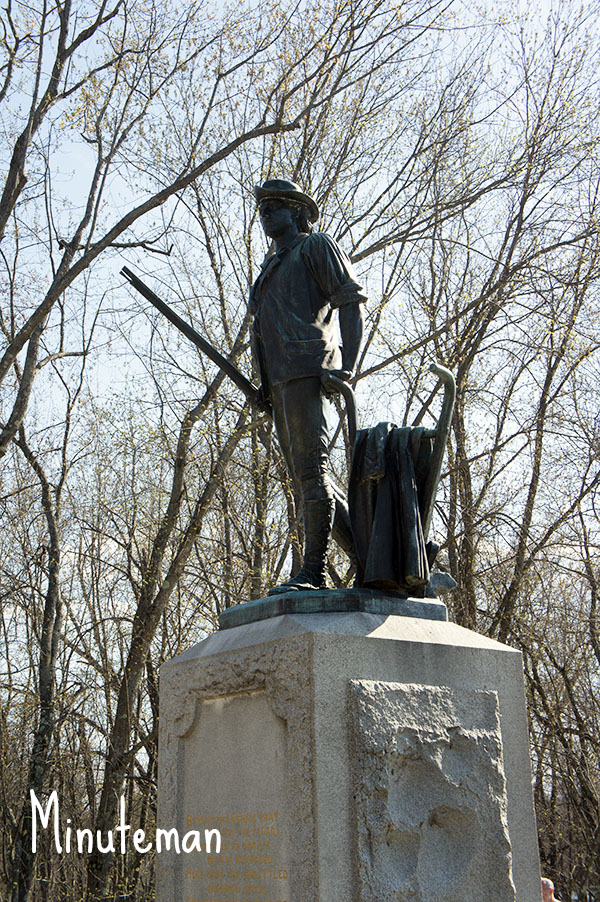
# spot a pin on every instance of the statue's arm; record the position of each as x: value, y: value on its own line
x: 332, y: 271
x: 351, y: 330
x: 337, y: 280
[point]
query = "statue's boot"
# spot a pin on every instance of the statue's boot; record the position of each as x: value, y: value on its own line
x: 342, y: 530
x: 318, y: 519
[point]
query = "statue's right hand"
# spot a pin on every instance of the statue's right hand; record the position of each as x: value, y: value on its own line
x: 263, y: 402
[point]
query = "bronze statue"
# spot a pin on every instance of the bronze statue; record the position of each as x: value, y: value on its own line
x: 306, y: 290
x: 294, y: 302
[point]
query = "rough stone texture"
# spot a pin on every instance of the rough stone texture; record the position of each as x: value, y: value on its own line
x: 429, y: 794
x: 301, y: 667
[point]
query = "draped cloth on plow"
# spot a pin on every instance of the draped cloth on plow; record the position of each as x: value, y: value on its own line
x: 387, y: 480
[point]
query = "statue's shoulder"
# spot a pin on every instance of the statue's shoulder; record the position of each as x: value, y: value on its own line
x: 320, y: 238
x: 320, y: 243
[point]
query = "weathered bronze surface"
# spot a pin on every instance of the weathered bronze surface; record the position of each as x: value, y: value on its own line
x: 305, y: 297
x: 332, y: 601
x: 303, y: 288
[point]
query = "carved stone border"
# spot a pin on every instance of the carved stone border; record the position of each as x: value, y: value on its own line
x: 284, y: 671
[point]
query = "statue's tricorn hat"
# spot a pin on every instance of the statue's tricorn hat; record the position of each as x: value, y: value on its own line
x: 287, y: 191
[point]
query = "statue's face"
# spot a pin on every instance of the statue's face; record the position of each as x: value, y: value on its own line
x: 276, y: 217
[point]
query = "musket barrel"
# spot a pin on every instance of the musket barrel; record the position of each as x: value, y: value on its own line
x: 250, y: 390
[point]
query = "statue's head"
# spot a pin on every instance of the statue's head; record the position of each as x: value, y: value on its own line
x: 290, y: 194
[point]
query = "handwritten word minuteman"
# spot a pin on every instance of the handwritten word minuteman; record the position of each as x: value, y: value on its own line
x: 69, y: 840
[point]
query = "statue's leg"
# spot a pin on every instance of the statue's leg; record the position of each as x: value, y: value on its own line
x: 342, y: 529
x: 282, y: 430
x: 307, y: 429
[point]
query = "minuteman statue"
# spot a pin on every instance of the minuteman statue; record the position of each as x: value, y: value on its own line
x: 296, y: 341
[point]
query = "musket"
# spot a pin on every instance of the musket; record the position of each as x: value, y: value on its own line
x: 248, y: 388
x: 330, y: 382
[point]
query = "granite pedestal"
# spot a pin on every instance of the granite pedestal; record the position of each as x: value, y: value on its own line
x: 347, y: 757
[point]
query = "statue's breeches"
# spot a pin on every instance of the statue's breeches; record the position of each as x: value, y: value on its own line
x: 303, y: 420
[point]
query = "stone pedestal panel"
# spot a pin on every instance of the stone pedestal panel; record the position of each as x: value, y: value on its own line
x: 429, y: 793
x: 236, y: 755
x: 352, y: 757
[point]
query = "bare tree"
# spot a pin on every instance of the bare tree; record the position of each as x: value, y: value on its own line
x: 467, y: 197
